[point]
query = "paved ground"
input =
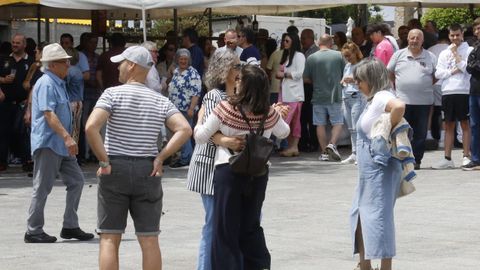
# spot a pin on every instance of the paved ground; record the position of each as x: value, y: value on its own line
x: 305, y: 218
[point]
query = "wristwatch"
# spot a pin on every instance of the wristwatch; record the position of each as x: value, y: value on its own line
x: 104, y: 164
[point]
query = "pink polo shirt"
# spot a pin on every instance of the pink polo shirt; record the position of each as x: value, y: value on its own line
x: 384, y: 51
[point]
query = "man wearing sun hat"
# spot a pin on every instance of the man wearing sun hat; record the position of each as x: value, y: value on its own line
x: 53, y: 149
x: 130, y: 165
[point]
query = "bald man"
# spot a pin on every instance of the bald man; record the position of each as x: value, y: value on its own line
x: 413, y: 72
x: 324, y: 70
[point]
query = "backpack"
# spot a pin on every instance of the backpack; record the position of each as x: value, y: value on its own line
x: 252, y: 160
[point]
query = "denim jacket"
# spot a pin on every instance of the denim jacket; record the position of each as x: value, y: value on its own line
x: 393, y: 143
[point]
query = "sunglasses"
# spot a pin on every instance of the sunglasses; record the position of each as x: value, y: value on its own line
x: 286, y: 41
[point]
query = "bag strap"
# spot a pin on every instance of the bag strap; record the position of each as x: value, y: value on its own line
x: 260, y: 128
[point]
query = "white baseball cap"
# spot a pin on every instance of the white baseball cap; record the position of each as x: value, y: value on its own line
x: 136, y: 54
x: 54, y: 52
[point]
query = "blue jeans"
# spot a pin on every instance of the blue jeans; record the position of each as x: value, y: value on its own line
x: 187, y: 148
x: 475, y: 127
x: 417, y: 117
x: 354, y: 105
x: 205, y: 249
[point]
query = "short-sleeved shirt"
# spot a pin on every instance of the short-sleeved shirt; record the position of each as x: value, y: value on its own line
x: 238, y: 51
x: 109, y: 69
x: 249, y: 52
x: 274, y: 65
x: 384, y: 51
x: 413, y: 76
x: 197, y: 58
x: 349, y: 88
x: 91, y: 86
x: 75, y: 85
x: 83, y: 62
x: 183, y: 86
x: 49, y: 94
x: 325, y: 69
x: 374, y: 109
x: 14, y: 92
x: 137, y: 114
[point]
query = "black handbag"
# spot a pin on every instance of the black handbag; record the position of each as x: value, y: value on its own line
x: 252, y: 160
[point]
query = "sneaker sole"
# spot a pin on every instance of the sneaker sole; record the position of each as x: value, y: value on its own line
x: 333, y: 155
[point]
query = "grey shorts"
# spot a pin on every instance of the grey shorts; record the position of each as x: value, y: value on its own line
x: 129, y: 188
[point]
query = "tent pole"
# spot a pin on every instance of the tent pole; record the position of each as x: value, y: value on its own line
x: 39, y: 24
x: 210, y: 30
x: 144, y: 24
x: 175, y: 25
x: 47, y: 29
x: 419, y: 11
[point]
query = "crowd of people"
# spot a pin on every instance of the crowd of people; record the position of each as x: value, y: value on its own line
x: 132, y: 108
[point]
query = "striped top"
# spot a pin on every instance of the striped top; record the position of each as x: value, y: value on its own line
x: 230, y: 122
x: 137, y: 114
x: 200, y: 172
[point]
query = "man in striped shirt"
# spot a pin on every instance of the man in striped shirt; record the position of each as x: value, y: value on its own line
x: 130, y: 165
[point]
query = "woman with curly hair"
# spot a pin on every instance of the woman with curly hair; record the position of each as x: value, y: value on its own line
x: 220, y: 80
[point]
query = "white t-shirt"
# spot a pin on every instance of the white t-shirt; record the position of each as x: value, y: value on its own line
x: 374, y: 109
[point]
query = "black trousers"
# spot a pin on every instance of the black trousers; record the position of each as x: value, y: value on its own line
x: 436, y: 122
x: 308, y: 140
x: 238, y: 239
x: 14, y: 135
x: 417, y: 117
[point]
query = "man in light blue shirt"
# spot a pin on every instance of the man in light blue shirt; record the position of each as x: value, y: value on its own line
x: 53, y: 149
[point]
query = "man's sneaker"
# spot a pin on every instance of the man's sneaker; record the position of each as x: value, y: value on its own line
x: 472, y: 166
x: 39, y: 238
x: 323, y: 157
x: 178, y: 165
x: 76, y: 233
x: 350, y: 160
x: 443, y: 164
x: 333, y: 152
x: 465, y: 161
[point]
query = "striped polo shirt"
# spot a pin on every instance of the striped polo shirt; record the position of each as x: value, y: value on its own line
x: 137, y: 114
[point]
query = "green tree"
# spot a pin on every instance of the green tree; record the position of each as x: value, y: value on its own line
x: 340, y: 14
x: 444, y: 17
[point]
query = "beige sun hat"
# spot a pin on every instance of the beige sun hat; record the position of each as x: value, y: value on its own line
x: 54, y: 52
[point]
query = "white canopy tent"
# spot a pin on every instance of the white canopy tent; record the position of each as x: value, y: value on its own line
x: 80, y: 9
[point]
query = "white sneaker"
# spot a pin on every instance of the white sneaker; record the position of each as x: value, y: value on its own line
x: 350, y: 160
x: 443, y: 164
x: 333, y: 152
x: 465, y: 161
x: 323, y: 157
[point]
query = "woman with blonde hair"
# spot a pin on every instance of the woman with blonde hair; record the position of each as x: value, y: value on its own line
x: 353, y: 100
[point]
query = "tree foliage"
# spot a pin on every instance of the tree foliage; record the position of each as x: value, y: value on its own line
x: 444, y: 17
x: 340, y: 14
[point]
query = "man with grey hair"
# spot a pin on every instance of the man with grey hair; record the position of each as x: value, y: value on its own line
x: 53, y: 149
x: 231, y: 42
x: 324, y: 69
x: 153, y: 78
x: 130, y: 164
x: 412, y: 70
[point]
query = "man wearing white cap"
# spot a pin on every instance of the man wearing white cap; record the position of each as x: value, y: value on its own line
x: 53, y: 149
x: 130, y: 165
